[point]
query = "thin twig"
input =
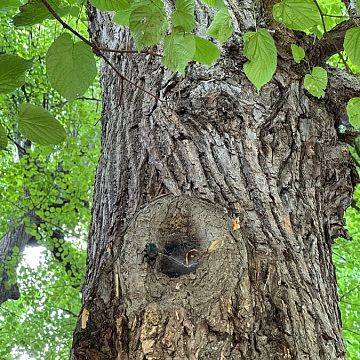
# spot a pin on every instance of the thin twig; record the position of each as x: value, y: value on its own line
x: 95, y: 49
x: 69, y: 312
x: 107, y: 113
x: 127, y: 51
x: 23, y: 89
x: 348, y: 292
x: 336, y: 16
x: 348, y: 303
x: 321, y: 15
x: 88, y: 98
x: 64, y: 24
x: 19, y: 147
x: 352, y: 331
x: 344, y: 61
x: 342, y: 16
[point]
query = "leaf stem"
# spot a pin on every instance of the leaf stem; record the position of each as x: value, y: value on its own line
x: 321, y: 15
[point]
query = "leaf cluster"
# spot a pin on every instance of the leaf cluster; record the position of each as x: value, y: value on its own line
x: 71, y: 66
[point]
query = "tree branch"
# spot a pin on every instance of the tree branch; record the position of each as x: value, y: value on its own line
x: 342, y: 87
x: 15, y: 238
x: 127, y: 51
x: 331, y: 43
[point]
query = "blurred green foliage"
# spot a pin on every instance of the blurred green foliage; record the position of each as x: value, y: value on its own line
x: 346, y: 256
x: 54, y: 184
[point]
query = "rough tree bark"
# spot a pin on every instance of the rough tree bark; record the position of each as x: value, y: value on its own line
x: 15, y: 238
x: 245, y: 193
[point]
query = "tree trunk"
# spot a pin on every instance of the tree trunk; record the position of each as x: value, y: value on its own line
x: 241, y: 192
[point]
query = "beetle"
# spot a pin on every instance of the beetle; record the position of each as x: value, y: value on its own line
x: 150, y: 253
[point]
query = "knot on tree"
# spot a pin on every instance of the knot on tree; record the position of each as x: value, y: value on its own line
x: 177, y: 248
x: 179, y: 235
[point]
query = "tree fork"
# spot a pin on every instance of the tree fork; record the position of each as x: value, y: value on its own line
x: 247, y: 189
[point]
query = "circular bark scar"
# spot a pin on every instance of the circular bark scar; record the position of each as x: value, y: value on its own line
x: 178, y: 250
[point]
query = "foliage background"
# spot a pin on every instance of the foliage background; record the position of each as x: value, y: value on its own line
x: 55, y: 183
x: 58, y: 182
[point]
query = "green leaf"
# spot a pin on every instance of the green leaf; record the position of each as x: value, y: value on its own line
x: 353, y: 111
x: 148, y: 22
x: 34, y: 12
x: 179, y: 49
x: 71, y: 67
x: 184, y: 15
x: 75, y: 11
x: 210, y: 2
x: 205, y: 51
x: 9, y: 5
x: 39, y: 126
x: 297, y: 14
x: 107, y: 5
x: 221, y: 27
x: 298, y: 53
x: 122, y: 17
x: 338, y: 11
x: 12, y: 72
x: 218, y: 4
x: 3, y: 138
x: 352, y: 45
x: 316, y: 82
x: 260, y: 49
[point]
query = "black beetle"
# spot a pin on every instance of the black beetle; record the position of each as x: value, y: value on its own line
x: 150, y: 253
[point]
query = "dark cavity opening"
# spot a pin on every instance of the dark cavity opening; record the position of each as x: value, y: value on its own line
x: 180, y: 256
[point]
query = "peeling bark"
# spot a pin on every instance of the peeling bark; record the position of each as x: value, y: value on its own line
x: 263, y: 173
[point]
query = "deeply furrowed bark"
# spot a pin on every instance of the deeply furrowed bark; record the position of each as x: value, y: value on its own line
x: 185, y: 171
